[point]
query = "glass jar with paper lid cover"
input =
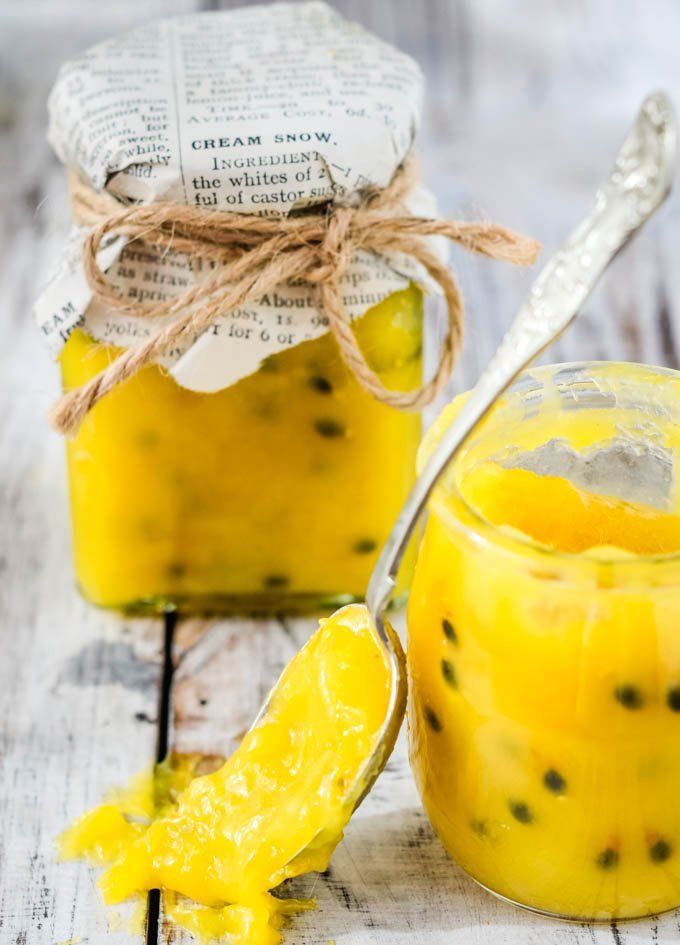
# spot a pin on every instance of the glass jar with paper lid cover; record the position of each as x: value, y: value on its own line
x: 249, y: 470
x: 239, y: 314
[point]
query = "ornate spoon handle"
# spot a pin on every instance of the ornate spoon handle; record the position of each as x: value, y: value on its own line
x: 637, y: 185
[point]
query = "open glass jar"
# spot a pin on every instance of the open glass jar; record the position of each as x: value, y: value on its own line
x: 272, y: 494
x: 544, y: 653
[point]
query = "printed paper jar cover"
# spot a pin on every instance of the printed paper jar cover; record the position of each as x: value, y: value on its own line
x: 234, y: 96
x: 259, y: 110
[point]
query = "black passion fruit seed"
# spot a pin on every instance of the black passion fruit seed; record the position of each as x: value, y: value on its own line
x: 329, y: 428
x: 150, y: 527
x: 554, y: 781
x: 449, y: 631
x: 147, y: 439
x: 673, y: 698
x: 432, y: 719
x: 274, y: 581
x: 629, y: 696
x: 321, y: 384
x: 176, y: 569
x: 449, y: 674
x: 521, y: 812
x: 608, y: 859
x: 364, y: 546
x: 660, y: 851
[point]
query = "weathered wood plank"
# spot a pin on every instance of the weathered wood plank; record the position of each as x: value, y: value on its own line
x: 78, y: 688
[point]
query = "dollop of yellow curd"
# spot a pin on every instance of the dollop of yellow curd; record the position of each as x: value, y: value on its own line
x: 217, y: 844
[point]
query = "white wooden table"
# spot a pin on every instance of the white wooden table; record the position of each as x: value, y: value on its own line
x: 527, y: 102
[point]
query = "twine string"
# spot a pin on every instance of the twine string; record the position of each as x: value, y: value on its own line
x: 242, y: 258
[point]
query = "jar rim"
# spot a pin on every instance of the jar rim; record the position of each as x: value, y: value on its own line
x: 462, y: 516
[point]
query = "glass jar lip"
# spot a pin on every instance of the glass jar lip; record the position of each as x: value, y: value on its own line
x: 523, y: 548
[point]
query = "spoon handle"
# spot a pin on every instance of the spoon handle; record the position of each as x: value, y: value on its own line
x: 637, y: 185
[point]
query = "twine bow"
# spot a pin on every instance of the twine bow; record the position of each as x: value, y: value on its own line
x: 249, y: 256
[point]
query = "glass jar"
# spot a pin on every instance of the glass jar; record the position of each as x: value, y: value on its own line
x: 273, y: 494
x: 544, y: 645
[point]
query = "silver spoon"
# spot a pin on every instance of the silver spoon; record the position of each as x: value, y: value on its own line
x: 635, y: 188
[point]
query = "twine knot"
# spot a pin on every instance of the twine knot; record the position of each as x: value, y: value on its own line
x: 336, y: 248
x: 250, y: 256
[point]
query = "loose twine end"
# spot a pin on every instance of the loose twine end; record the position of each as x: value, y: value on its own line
x: 257, y: 254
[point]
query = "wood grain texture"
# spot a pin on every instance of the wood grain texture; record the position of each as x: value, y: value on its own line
x: 78, y: 688
x: 526, y: 105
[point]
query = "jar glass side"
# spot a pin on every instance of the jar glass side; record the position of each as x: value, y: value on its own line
x: 545, y: 685
x: 274, y: 494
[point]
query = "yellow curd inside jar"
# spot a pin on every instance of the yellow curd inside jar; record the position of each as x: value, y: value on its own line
x: 274, y: 494
x: 544, y: 645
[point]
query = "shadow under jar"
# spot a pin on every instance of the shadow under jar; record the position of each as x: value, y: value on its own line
x: 275, y: 493
x: 544, y: 645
